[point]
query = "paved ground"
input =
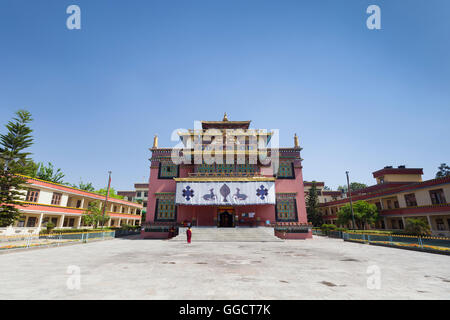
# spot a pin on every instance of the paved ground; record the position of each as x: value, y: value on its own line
x: 321, y: 268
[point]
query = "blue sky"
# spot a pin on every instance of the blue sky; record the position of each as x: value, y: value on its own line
x: 358, y: 99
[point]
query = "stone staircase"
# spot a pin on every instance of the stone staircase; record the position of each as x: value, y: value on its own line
x: 238, y: 234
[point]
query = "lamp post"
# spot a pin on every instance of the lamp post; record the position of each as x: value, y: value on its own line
x: 106, y: 200
x: 351, y: 203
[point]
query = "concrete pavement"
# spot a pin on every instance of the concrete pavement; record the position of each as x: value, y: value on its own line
x: 320, y: 268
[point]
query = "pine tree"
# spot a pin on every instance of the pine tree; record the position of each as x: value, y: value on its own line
x: 13, y: 160
x: 312, y: 206
x: 444, y: 171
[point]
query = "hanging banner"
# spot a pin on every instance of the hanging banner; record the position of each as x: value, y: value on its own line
x: 225, y: 193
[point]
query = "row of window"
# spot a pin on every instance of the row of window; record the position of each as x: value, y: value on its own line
x: 168, y: 170
x: 140, y: 193
x: 437, y: 197
x: 33, y: 196
x: 285, y: 208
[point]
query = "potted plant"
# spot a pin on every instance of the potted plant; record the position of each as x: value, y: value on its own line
x: 50, y: 226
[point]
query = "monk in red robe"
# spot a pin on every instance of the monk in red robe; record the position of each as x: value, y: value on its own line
x: 189, y: 234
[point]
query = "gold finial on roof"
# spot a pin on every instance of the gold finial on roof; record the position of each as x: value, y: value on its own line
x: 225, y: 118
x: 296, y: 144
x: 155, y: 141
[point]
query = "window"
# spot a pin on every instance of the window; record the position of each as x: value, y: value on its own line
x: 286, y: 170
x: 78, y: 203
x: 69, y: 222
x: 144, y: 204
x: 166, y: 209
x: 437, y: 196
x: 115, y: 209
x: 56, y: 199
x: 394, y: 224
x: 167, y: 170
x: 410, y: 200
x: 145, y: 194
x: 378, y: 204
x: 21, y: 223
x: 440, y: 224
x: 32, y: 195
x: 389, y: 204
x: 138, y: 194
x: 286, y: 208
x: 31, y: 222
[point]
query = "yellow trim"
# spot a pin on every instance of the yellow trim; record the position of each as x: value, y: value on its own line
x: 225, y: 179
x: 73, y: 208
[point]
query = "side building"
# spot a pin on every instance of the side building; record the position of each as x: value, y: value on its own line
x: 64, y: 206
x: 400, y: 193
x: 323, y: 195
x: 139, y: 194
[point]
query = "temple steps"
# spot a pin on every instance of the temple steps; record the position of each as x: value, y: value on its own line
x: 239, y: 234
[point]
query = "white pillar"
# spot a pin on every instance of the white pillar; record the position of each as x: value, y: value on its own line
x: 385, y: 223
x: 60, y: 221
x: 79, y: 222
x: 429, y: 222
x: 404, y: 222
x: 40, y: 220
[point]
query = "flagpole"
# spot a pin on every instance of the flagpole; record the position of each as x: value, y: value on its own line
x: 106, y: 200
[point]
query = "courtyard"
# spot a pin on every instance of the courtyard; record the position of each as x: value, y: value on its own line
x: 130, y: 268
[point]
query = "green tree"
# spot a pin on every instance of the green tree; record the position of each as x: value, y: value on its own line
x: 48, y: 173
x: 354, y: 186
x: 144, y: 211
x: 444, y: 171
x: 312, y: 206
x: 93, y: 215
x: 417, y: 227
x: 13, y: 160
x: 112, y: 193
x: 364, y: 212
x: 84, y: 186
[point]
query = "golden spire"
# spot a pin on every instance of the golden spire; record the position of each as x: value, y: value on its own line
x: 296, y: 145
x: 225, y: 118
x: 155, y: 142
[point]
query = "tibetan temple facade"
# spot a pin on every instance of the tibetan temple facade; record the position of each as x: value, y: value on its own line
x: 225, y: 175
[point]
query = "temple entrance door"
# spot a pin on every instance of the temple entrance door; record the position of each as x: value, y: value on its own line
x: 226, y: 218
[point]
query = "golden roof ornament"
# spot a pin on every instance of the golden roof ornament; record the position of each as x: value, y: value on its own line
x: 296, y: 144
x: 155, y: 142
x: 225, y: 118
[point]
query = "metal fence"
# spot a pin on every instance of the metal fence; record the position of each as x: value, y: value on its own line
x: 123, y: 233
x: 434, y: 244
x: 53, y: 239
x: 317, y: 232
